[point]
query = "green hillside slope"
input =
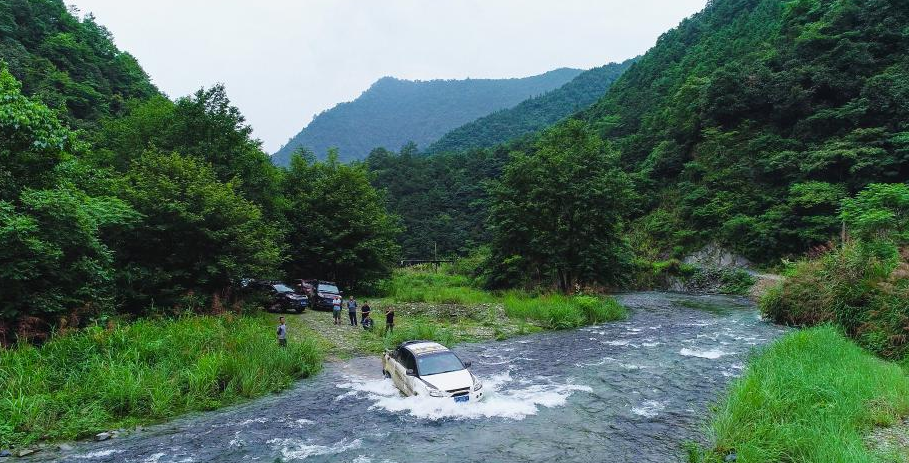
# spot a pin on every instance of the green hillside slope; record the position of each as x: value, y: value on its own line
x: 749, y: 122
x: 71, y: 65
x: 534, y: 114
x: 393, y: 111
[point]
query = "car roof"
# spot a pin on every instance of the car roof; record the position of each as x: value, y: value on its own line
x: 424, y: 347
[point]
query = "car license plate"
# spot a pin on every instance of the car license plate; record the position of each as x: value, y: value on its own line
x: 463, y: 398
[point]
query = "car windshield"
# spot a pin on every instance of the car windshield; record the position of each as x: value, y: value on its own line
x: 329, y: 289
x: 282, y: 289
x: 434, y: 364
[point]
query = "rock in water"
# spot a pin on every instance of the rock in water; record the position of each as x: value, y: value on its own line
x: 5, y: 453
x: 102, y: 436
x: 25, y: 452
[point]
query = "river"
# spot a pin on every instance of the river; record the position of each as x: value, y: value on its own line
x: 630, y: 391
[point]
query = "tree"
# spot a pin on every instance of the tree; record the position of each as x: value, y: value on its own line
x: 338, y: 224
x: 557, y: 212
x: 197, y: 233
x: 879, y: 212
x: 53, y: 259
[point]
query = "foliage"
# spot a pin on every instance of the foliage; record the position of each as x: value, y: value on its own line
x: 338, y: 222
x: 440, y: 287
x: 196, y: 232
x: 556, y: 213
x: 442, y: 199
x: 754, y: 118
x: 32, y: 141
x: 534, y: 114
x: 880, y: 212
x: 808, y: 397
x: 98, y: 379
x: 204, y: 126
x: 853, y: 287
x: 72, y: 66
x: 563, y: 312
x: 53, y: 257
x: 393, y: 112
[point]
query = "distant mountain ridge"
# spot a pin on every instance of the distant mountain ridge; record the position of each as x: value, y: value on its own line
x: 534, y: 114
x: 393, y: 112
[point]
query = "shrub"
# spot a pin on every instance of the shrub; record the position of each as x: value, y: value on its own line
x: 853, y: 287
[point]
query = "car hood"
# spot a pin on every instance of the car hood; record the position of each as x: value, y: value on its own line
x: 451, y: 380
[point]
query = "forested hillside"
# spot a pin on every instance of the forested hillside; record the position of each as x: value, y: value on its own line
x: 393, y: 112
x: 752, y: 120
x: 71, y: 65
x: 748, y: 124
x: 117, y: 201
x: 534, y: 114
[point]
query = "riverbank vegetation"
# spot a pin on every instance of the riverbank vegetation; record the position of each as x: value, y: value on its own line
x: 815, y: 394
x: 810, y: 397
x: 117, y: 376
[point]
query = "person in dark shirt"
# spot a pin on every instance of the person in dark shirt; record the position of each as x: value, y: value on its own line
x: 364, y: 311
x: 352, y: 311
x: 389, y: 320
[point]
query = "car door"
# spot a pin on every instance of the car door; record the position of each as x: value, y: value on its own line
x: 405, y: 362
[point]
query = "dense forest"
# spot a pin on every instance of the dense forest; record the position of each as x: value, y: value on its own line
x: 71, y: 65
x: 534, y: 114
x: 747, y: 125
x: 393, y: 112
x: 117, y: 200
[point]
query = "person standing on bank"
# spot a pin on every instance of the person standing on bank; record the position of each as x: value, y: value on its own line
x: 282, y: 332
x: 352, y: 311
x: 364, y: 312
x: 336, y: 310
x: 389, y: 320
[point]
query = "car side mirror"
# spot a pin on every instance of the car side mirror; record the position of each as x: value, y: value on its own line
x: 467, y: 364
x: 410, y: 372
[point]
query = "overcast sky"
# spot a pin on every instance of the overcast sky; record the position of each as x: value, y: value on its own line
x: 284, y: 61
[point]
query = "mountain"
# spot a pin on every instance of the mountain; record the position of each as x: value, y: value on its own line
x: 393, y: 112
x: 534, y: 114
x: 746, y: 125
x: 73, y: 66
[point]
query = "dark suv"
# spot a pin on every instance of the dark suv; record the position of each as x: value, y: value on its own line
x: 322, y: 294
x: 285, y: 299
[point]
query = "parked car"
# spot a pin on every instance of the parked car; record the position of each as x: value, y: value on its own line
x: 322, y: 294
x: 429, y: 369
x: 285, y: 299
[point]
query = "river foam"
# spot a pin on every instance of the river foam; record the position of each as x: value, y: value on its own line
x: 504, y: 398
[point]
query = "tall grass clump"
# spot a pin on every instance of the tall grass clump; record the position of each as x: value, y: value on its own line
x: 441, y: 286
x: 807, y: 398
x: 861, y: 287
x: 98, y: 379
x: 408, y: 329
x: 556, y: 311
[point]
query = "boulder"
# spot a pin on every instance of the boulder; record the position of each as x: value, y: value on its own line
x: 102, y: 436
x: 716, y: 257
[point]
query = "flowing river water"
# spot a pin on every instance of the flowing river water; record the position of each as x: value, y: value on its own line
x: 629, y: 391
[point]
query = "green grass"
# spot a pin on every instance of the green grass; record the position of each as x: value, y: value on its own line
x: 438, y: 287
x: 808, y: 398
x: 98, y: 379
x: 563, y: 312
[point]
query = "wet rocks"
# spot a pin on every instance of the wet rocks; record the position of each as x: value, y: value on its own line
x: 26, y: 452
x: 65, y: 448
x: 101, y: 436
x: 5, y: 453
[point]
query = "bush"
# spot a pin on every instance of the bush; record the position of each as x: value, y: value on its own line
x: 563, y: 312
x: 852, y: 286
x: 98, y: 379
x: 807, y: 398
